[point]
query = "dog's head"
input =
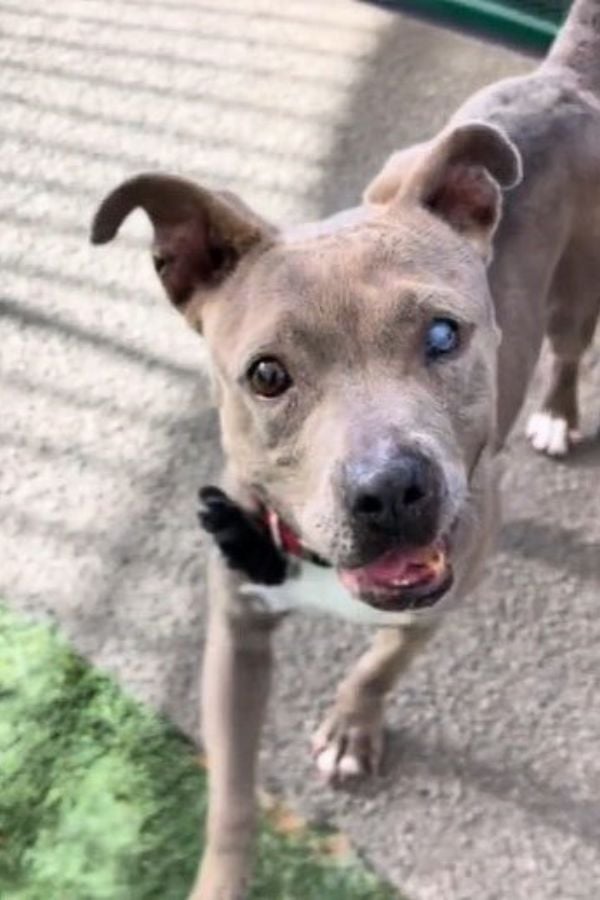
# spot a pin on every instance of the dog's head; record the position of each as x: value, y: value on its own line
x: 355, y: 359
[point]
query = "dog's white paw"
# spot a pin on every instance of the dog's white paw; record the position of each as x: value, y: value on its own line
x: 551, y: 434
x: 345, y: 748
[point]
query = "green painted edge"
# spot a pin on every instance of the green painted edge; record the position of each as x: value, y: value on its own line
x: 487, y: 16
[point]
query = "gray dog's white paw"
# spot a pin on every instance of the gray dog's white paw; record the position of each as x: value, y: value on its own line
x: 345, y: 748
x: 551, y: 434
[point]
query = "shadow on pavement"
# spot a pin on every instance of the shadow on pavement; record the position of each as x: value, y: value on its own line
x: 556, y: 806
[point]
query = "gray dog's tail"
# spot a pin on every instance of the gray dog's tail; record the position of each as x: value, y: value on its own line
x: 578, y: 45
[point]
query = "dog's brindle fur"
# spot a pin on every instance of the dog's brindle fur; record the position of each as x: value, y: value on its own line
x: 344, y: 303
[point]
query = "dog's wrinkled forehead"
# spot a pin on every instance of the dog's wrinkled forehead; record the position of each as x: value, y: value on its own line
x: 351, y: 290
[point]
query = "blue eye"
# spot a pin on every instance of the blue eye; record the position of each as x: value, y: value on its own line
x: 442, y: 338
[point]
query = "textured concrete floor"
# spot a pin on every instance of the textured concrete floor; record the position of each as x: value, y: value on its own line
x: 493, y: 777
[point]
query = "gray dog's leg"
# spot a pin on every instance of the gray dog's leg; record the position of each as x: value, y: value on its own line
x: 571, y: 326
x: 350, y: 740
x: 237, y: 668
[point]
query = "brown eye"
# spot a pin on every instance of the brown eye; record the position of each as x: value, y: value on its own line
x: 268, y: 377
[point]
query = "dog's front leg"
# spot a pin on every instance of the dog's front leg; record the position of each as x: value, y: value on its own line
x: 349, y: 742
x: 236, y: 680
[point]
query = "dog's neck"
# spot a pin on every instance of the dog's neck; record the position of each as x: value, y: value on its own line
x: 288, y: 541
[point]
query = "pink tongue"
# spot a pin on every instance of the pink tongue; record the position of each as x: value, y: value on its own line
x: 395, y: 568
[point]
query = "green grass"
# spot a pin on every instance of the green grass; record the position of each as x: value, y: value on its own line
x: 102, y: 800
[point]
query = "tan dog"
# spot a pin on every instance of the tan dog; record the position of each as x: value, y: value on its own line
x: 367, y: 370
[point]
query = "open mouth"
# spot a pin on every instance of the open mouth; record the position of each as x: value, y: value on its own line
x: 398, y: 580
x: 402, y: 579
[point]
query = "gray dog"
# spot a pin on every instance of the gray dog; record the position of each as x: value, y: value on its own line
x: 367, y: 371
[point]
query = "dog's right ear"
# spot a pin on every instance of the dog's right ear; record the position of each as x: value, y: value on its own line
x: 199, y: 236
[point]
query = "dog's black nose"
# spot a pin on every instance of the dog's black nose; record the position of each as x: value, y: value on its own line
x: 399, y: 498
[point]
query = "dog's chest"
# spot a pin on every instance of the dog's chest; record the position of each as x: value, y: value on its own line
x: 318, y: 590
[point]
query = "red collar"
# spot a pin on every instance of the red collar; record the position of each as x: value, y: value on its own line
x: 288, y: 541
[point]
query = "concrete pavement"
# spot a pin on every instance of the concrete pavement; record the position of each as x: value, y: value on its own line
x: 492, y: 787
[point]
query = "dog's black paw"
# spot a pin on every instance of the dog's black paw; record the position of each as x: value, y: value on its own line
x: 244, y: 541
x: 218, y: 514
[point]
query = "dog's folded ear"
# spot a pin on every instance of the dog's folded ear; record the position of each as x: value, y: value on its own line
x: 458, y: 177
x: 200, y: 236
